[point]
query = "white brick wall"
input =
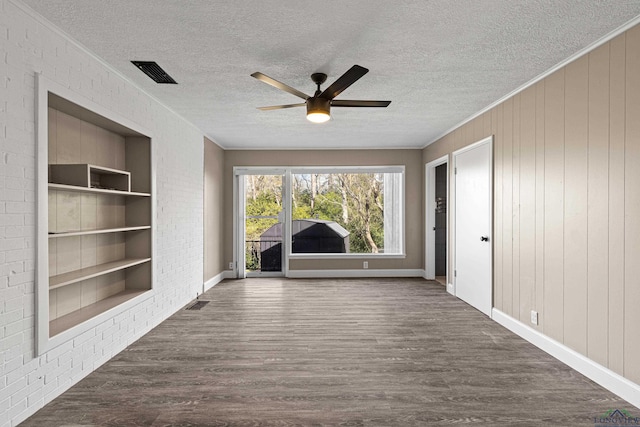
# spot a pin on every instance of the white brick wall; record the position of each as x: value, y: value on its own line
x: 29, y: 45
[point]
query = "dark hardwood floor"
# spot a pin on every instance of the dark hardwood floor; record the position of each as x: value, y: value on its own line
x: 374, y: 352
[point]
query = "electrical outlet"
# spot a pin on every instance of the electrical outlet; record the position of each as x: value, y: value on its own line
x: 534, y: 317
x: 365, y: 264
x: 231, y: 266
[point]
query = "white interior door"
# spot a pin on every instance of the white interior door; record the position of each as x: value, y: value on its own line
x: 473, y: 253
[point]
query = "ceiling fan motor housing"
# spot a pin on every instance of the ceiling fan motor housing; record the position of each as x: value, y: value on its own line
x: 317, y: 105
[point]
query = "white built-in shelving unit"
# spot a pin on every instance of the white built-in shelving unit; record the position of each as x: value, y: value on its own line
x: 95, y: 214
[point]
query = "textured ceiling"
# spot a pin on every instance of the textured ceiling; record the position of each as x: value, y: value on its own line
x: 439, y: 62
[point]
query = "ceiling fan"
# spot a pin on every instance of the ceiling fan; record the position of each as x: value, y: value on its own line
x: 319, y: 105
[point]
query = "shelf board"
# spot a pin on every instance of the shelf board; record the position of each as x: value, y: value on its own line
x: 90, y: 272
x: 74, y: 318
x: 65, y: 187
x: 99, y: 231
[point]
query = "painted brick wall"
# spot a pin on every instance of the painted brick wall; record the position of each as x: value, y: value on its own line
x: 29, y: 45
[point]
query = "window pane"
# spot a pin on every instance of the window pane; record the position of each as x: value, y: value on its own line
x: 263, y: 228
x: 346, y: 212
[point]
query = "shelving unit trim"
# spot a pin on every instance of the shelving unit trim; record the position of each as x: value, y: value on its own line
x: 110, y: 171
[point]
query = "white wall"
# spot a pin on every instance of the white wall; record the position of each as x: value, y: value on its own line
x: 27, y: 46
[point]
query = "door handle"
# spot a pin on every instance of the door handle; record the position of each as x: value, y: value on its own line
x: 484, y: 238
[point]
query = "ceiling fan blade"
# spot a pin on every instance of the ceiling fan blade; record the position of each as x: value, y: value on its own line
x: 344, y: 81
x: 273, y: 82
x: 355, y: 103
x: 280, y: 107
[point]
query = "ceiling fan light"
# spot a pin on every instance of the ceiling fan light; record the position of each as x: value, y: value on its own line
x: 318, y: 117
x: 318, y: 110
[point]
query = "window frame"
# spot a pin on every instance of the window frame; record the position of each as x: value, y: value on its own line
x: 348, y: 169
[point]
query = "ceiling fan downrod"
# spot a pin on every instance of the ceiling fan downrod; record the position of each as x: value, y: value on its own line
x: 318, y: 79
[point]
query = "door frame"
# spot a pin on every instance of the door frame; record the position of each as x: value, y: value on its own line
x: 452, y: 206
x: 430, y: 217
x: 239, y: 213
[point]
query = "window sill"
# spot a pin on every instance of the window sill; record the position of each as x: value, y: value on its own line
x: 347, y: 256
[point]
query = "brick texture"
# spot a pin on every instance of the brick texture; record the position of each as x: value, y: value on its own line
x: 29, y: 46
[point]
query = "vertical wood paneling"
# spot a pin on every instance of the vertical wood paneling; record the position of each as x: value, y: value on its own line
x: 615, y: 203
x: 88, y: 255
x: 478, y: 128
x: 52, y: 198
x: 88, y: 148
x: 554, y: 206
x: 515, y: 209
x: 632, y: 209
x: 458, y: 138
x: 53, y: 257
x: 106, y: 248
x: 575, y: 202
x: 467, y: 134
x: 507, y: 208
x: 438, y: 149
x: 88, y: 292
x: 567, y: 203
x: 68, y: 139
x: 455, y: 139
x: 118, y: 142
x: 109, y: 284
x: 527, y: 198
x: 497, y: 119
x: 540, y: 207
x: 598, y: 210
x: 486, y: 124
x: 68, y: 212
x: 88, y: 211
x: 72, y: 140
x: 68, y: 256
x: 104, y: 153
x: 69, y: 299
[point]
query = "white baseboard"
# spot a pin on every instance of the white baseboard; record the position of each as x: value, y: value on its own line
x: 608, y: 379
x: 215, y: 280
x: 318, y: 274
x: 451, y: 289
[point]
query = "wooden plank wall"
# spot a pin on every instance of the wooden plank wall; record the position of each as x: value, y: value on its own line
x: 567, y: 202
x: 72, y: 140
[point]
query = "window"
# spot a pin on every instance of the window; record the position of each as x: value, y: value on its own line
x: 347, y: 210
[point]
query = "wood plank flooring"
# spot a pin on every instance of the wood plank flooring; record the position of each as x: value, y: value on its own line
x: 374, y: 352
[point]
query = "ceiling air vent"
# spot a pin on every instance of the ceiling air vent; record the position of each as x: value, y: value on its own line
x: 153, y: 70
